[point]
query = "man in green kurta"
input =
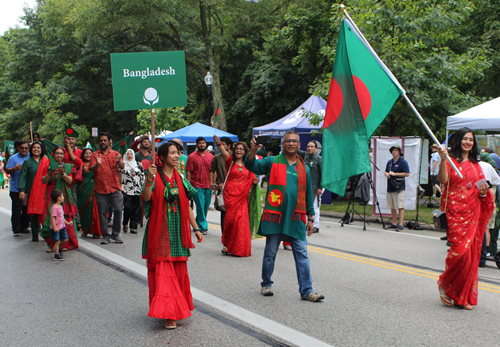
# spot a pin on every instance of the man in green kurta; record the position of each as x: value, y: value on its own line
x: 289, y: 200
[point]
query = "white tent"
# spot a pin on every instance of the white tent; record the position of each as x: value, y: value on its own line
x: 482, y: 117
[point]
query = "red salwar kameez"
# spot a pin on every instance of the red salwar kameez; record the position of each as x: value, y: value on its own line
x: 166, y: 245
x: 237, y: 237
x: 468, y: 215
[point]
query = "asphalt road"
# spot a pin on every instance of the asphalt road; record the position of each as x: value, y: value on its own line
x: 379, y: 286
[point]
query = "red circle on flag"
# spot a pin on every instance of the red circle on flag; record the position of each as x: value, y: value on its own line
x: 364, y: 98
x: 334, y: 104
x: 123, y: 143
x: 69, y: 131
x: 275, y: 198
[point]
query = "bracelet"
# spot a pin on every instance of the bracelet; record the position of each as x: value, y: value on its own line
x: 310, y: 220
x: 219, y: 144
x: 148, y: 183
x: 148, y: 180
x: 483, y: 196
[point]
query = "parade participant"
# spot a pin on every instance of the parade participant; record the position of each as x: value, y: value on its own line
x: 396, y: 168
x: 143, y: 155
x: 2, y: 177
x: 167, y: 239
x: 198, y: 174
x: 87, y: 207
x: 495, y: 157
x: 132, y: 183
x: 58, y: 223
x: 181, y: 167
x: 314, y: 161
x: 218, y: 172
x: 59, y: 177
x: 104, y: 163
x: 434, y: 167
x: 36, y: 137
x: 468, y: 209
x: 236, y: 238
x: 19, y: 219
x: 28, y: 175
x: 289, y: 201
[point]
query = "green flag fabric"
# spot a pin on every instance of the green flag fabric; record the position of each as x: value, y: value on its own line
x: 122, y: 145
x: 49, y: 148
x: 362, y: 92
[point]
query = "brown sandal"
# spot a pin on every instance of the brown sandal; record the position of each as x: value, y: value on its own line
x: 170, y: 324
x: 445, y: 299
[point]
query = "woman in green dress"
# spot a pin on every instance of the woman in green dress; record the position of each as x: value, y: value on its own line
x: 59, y: 176
x: 167, y: 239
x: 85, y: 199
x: 29, y: 171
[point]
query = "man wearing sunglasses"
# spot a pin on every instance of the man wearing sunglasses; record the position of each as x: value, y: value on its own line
x: 19, y: 218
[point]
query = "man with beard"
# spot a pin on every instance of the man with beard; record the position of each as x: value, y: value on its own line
x: 104, y: 163
x: 142, y: 153
x: 198, y: 174
x: 314, y: 161
x: 288, y: 211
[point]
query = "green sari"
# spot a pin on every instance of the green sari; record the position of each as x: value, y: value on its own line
x: 70, y: 210
x: 85, y: 203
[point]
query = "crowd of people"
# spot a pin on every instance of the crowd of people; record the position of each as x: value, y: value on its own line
x: 69, y: 189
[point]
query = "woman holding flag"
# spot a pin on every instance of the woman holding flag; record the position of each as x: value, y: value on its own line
x: 468, y: 205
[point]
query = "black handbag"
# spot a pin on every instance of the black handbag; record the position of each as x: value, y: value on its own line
x: 438, y: 216
x: 397, y: 183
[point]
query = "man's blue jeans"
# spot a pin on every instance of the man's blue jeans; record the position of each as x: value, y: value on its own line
x: 202, y: 201
x: 302, y: 265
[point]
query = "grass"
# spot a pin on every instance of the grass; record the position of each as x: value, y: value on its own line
x: 341, y: 206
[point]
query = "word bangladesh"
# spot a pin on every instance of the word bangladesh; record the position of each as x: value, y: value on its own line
x: 147, y: 73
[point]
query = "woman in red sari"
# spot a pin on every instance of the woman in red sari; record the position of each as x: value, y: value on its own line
x: 468, y: 210
x: 59, y: 177
x: 236, y: 238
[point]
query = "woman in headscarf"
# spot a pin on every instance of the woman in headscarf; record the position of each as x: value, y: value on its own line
x: 167, y: 239
x: 468, y: 209
x: 132, y: 182
x: 89, y: 217
x: 59, y: 176
x: 29, y: 173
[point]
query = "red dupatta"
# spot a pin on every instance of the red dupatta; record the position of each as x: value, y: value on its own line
x: 37, y: 193
x: 158, y: 248
x: 468, y: 215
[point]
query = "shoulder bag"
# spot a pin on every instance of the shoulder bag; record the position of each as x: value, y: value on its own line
x: 219, y: 200
x: 438, y: 216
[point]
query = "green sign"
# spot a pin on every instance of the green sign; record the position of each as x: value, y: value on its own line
x: 9, y: 148
x: 148, y: 80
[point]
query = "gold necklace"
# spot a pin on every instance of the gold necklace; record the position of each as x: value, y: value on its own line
x: 469, y: 185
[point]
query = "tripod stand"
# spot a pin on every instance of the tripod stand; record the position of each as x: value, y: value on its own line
x: 429, y: 202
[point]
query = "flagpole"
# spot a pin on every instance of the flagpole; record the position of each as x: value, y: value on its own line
x: 413, y: 108
x: 31, y: 133
x: 153, y: 142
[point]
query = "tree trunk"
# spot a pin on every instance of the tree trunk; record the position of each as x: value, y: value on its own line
x: 214, y: 67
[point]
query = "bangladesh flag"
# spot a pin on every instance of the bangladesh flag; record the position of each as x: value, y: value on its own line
x: 362, y: 92
x: 122, y: 145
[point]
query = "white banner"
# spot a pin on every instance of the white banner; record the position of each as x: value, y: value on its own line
x: 412, y: 148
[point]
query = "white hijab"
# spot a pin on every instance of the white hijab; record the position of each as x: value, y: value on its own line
x: 130, y: 164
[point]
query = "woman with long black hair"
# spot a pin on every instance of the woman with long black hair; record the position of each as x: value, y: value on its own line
x: 468, y: 209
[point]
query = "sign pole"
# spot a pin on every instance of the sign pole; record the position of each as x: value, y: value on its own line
x: 31, y: 133
x: 153, y: 142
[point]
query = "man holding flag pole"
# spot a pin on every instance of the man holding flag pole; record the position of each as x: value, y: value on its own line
x: 362, y: 92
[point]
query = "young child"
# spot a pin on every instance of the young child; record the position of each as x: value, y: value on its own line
x: 57, y: 222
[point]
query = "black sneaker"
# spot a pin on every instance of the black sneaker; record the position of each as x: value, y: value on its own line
x: 133, y: 231
x: 392, y: 226
x: 16, y: 233
x: 316, y: 230
x: 58, y: 257
x: 125, y: 229
x: 444, y: 238
x: 34, y: 238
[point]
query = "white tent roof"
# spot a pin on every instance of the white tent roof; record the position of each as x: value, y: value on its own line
x: 482, y: 117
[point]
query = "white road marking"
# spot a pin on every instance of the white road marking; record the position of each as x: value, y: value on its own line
x: 260, y: 322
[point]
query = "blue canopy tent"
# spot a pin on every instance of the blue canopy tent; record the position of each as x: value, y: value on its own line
x: 295, y: 120
x: 193, y: 131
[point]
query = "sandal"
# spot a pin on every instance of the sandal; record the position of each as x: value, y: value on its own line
x: 445, y: 299
x: 467, y: 307
x: 224, y: 250
x: 49, y: 250
x: 170, y: 324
